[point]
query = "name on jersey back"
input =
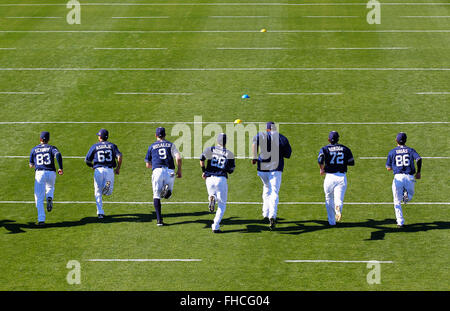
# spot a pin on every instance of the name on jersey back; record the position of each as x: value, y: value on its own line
x: 162, y: 145
x: 335, y: 148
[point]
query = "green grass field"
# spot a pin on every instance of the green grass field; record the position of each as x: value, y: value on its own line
x: 65, y: 78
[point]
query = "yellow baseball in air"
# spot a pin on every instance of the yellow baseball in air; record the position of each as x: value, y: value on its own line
x: 264, y: 30
x: 238, y: 121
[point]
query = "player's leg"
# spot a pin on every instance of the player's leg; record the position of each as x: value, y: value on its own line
x: 221, y: 193
x: 409, y: 186
x: 39, y: 195
x: 168, y: 183
x: 266, y: 193
x: 99, y: 183
x: 108, y: 176
x: 339, y: 193
x: 397, y: 192
x: 109, y: 181
x: 275, y: 184
x: 328, y: 188
x: 50, y: 178
x: 211, y: 188
x: 157, y: 185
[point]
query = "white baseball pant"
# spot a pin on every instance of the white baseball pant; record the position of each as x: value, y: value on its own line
x: 101, y: 176
x: 217, y: 186
x: 271, y: 188
x: 334, y: 186
x: 162, y: 176
x: 44, y: 187
x: 400, y: 182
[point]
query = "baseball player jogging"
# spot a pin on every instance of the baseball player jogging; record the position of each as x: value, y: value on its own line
x: 273, y: 148
x: 160, y: 158
x: 220, y: 163
x: 102, y: 158
x: 333, y: 161
x: 42, y: 159
x: 400, y: 160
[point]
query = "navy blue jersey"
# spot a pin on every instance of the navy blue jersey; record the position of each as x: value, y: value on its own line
x: 335, y: 158
x: 103, y: 154
x: 161, y: 154
x: 220, y: 161
x: 273, y: 148
x: 43, y: 157
x: 401, y: 160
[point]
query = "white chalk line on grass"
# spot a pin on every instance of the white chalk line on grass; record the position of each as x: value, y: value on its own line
x: 336, y: 261
x: 233, y: 203
x: 229, y: 31
x: 372, y: 48
x: 22, y: 93
x: 331, y: 16
x: 433, y: 93
x: 237, y: 16
x: 8, y: 48
x: 270, y: 48
x: 222, y: 122
x: 323, y: 93
x: 34, y: 17
x: 140, y: 17
x: 226, y: 69
x: 150, y: 93
x: 130, y: 48
x: 144, y: 260
x: 227, y: 4
x: 425, y: 16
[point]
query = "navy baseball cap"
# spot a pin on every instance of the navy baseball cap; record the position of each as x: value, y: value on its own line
x: 103, y: 134
x: 222, y: 139
x: 45, y: 136
x: 271, y: 125
x: 161, y: 132
x: 333, y: 136
x: 401, y: 138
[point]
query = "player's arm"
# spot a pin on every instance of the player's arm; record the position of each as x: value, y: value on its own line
x: 321, y: 162
x: 89, y: 158
x: 255, y: 149
x: 58, y: 157
x: 287, y: 149
x: 31, y: 164
x: 231, y: 165
x: 177, y: 155
x: 119, y: 164
x: 148, y: 159
x: 389, y: 163
x: 351, y: 159
x: 202, y: 165
x: 419, y: 168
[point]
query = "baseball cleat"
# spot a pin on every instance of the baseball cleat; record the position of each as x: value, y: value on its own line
x: 160, y: 223
x: 41, y: 223
x: 405, y: 196
x: 212, y: 203
x: 272, y: 223
x: 338, y: 214
x: 165, y: 192
x: 49, y: 204
x: 106, y: 188
x: 217, y: 231
x: 101, y: 216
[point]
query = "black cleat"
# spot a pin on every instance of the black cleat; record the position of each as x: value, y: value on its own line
x: 101, y: 216
x: 165, y: 192
x: 217, y: 231
x: 272, y: 223
x: 212, y: 203
x: 49, y: 204
x: 405, y: 196
x: 41, y: 223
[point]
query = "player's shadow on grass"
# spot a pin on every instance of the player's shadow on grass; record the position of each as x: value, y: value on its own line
x: 13, y: 227
x: 301, y: 227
